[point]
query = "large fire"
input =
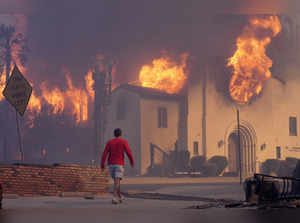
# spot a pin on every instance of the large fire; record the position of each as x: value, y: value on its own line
x: 251, y: 65
x: 75, y: 98
x: 164, y: 74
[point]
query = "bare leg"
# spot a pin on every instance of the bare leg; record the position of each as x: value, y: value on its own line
x: 119, y: 187
x: 116, y: 187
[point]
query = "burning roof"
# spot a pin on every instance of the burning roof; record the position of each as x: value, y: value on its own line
x: 251, y: 65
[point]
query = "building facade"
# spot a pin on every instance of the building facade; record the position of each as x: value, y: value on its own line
x: 146, y: 116
x: 268, y: 125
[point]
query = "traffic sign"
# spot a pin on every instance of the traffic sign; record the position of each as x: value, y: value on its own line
x: 18, y: 91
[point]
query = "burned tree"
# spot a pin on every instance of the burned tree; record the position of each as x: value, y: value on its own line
x: 13, y: 50
x: 102, y: 88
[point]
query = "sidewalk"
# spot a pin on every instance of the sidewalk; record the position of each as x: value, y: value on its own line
x: 176, y: 180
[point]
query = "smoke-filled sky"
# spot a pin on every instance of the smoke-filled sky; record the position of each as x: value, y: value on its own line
x: 68, y: 33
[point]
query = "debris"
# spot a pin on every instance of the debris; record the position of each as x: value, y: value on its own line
x: 203, y: 206
x: 233, y: 205
x: 89, y: 197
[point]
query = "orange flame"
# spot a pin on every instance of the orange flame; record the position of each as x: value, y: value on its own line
x: 78, y: 99
x: 89, y: 84
x: 2, y: 85
x: 251, y: 65
x: 164, y: 74
x: 34, y: 103
x: 55, y: 98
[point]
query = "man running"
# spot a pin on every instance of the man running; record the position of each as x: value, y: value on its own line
x: 115, y: 149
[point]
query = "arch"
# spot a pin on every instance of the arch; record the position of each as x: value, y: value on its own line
x: 248, y: 142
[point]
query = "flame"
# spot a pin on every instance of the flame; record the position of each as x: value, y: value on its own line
x: 34, y: 103
x: 251, y: 65
x: 74, y: 100
x: 2, y: 85
x: 89, y: 84
x: 78, y: 99
x: 164, y: 74
x: 55, y: 98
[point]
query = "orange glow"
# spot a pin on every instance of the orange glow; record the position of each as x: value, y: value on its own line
x: 251, y: 65
x: 89, y: 84
x: 55, y: 98
x: 164, y: 74
x: 2, y: 85
x: 78, y: 99
x: 34, y: 103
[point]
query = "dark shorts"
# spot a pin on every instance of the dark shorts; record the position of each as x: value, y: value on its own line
x: 116, y: 171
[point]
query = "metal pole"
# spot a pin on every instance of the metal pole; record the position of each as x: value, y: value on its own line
x: 239, y: 144
x: 20, y: 137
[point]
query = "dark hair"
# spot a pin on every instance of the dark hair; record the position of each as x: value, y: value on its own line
x: 117, y: 132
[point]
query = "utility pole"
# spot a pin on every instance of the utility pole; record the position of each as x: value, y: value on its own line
x: 204, y: 82
x: 239, y: 144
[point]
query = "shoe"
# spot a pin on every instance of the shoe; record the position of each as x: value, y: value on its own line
x: 121, y: 199
x: 114, y: 201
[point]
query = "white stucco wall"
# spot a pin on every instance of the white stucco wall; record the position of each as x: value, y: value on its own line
x: 130, y: 125
x: 165, y: 138
x: 268, y: 116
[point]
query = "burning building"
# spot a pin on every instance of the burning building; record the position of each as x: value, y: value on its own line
x: 254, y: 82
x: 151, y: 111
x: 249, y: 75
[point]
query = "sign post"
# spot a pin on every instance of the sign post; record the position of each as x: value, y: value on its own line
x: 17, y: 92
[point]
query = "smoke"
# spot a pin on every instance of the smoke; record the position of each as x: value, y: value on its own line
x: 67, y: 34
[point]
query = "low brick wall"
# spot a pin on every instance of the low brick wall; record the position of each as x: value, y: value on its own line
x: 35, y: 180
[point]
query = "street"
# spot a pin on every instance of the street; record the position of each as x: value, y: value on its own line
x: 100, y: 209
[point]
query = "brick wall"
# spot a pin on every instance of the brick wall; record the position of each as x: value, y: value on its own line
x: 26, y: 180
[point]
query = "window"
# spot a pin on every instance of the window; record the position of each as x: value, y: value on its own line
x: 278, y: 152
x: 196, y: 148
x: 162, y: 117
x: 121, y: 109
x: 293, y: 126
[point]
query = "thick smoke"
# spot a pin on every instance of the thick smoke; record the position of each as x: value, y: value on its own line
x: 67, y: 34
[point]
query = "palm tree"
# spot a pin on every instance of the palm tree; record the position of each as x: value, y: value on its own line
x: 13, y: 47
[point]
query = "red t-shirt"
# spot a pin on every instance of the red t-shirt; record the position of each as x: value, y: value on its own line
x: 115, y: 149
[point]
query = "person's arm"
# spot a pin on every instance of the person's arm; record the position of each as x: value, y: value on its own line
x: 104, y: 155
x: 129, y: 154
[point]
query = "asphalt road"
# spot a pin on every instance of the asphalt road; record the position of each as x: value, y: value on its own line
x: 136, y: 210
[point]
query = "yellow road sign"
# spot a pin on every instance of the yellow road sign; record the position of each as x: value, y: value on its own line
x: 18, y: 91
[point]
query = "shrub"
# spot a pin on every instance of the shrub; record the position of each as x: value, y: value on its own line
x: 197, y: 163
x: 269, y: 166
x: 209, y: 170
x: 292, y: 161
x: 221, y: 163
x: 296, y: 172
x: 286, y: 169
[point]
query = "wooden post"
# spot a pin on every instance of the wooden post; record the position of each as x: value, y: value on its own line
x: 20, y: 137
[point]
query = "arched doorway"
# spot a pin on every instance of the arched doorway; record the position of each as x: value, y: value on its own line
x: 233, y: 153
x: 247, y: 149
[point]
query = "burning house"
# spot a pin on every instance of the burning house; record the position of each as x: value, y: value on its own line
x: 250, y: 77
x: 267, y: 103
x: 151, y: 111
